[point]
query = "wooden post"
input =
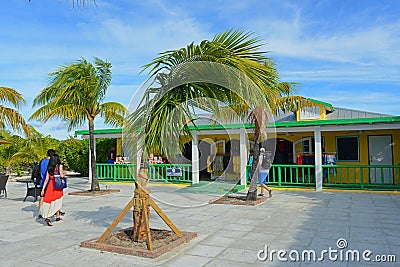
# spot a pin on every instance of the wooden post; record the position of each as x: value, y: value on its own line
x: 141, y: 203
x: 104, y: 236
x: 145, y: 209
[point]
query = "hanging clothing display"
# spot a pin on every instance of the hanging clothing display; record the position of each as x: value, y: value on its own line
x: 328, y: 159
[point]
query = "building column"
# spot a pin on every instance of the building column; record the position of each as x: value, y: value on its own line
x: 243, y: 156
x: 195, y: 159
x: 318, y: 159
x: 90, y: 160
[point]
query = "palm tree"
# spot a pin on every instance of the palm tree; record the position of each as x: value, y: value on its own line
x: 9, y: 116
x: 76, y: 96
x: 164, y: 117
x: 35, y: 147
x: 236, y: 49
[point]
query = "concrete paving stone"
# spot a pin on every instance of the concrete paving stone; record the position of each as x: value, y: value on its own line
x: 393, y: 240
x: 205, y: 250
x: 260, y: 236
x: 332, y: 235
x: 224, y: 263
x: 188, y: 260
x: 377, y: 239
x: 277, y: 263
x: 239, y: 254
x: 219, y: 240
x: 251, y: 245
x: 237, y: 227
x: 395, y: 251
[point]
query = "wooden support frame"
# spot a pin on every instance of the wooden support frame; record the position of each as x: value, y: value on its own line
x: 145, y: 201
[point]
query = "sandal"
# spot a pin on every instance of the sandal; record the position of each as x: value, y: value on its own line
x: 48, y: 222
x: 260, y: 195
x: 270, y: 193
x: 58, y: 219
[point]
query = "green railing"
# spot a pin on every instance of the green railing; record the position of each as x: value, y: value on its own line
x: 289, y: 175
x: 361, y: 176
x: 116, y: 172
x: 335, y: 176
x: 172, y: 173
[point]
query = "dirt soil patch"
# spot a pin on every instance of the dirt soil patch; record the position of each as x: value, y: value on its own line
x: 122, y: 242
x: 238, y: 200
x: 94, y: 193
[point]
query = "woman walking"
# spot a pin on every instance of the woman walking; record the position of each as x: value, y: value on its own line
x: 52, y: 197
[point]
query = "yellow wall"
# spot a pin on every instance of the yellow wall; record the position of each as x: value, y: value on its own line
x: 352, y: 175
x: 322, y: 113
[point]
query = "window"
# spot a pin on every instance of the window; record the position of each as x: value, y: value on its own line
x: 347, y: 148
x: 306, y: 144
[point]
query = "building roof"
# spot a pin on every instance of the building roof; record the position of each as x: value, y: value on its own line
x: 335, y: 116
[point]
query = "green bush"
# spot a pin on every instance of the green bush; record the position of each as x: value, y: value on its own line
x: 74, y: 155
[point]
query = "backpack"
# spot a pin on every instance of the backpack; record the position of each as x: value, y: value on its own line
x: 36, y: 174
x: 266, y: 160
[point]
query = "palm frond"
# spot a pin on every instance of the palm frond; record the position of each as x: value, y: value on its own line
x: 11, y: 117
x: 11, y: 96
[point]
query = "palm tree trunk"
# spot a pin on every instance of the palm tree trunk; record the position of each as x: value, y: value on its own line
x: 141, y: 194
x: 95, y: 181
x: 252, y: 193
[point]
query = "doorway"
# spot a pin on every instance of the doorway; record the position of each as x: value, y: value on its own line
x: 380, y: 153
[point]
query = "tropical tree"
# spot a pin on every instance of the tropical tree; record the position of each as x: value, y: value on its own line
x: 35, y: 147
x: 76, y: 95
x: 9, y: 116
x: 236, y: 49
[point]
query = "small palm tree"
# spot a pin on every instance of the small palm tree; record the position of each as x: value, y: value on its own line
x: 76, y: 96
x: 35, y: 147
x: 9, y: 116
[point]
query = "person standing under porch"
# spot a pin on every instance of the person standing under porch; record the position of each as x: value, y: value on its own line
x: 264, y: 164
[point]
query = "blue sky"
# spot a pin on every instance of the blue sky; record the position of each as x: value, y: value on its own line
x: 342, y: 52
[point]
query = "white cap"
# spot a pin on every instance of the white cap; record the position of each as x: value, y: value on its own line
x: 262, y: 149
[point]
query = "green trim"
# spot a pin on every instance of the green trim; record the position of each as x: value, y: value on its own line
x: 279, y: 124
x: 99, y: 131
x: 391, y: 119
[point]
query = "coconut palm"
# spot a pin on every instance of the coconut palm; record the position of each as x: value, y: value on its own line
x: 35, y: 147
x: 9, y: 116
x: 75, y: 95
x: 236, y: 49
x: 164, y: 116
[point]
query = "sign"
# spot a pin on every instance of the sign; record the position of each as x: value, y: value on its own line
x: 174, y: 171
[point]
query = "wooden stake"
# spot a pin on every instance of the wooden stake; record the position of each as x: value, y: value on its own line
x: 104, y: 236
x: 147, y: 224
x: 165, y: 218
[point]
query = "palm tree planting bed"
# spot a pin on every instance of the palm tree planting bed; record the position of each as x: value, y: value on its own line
x: 122, y: 242
x: 94, y: 192
x: 238, y: 200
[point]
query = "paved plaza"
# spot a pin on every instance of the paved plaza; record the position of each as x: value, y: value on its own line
x: 295, y: 222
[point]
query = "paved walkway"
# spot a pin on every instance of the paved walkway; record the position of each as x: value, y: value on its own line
x: 292, y: 221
